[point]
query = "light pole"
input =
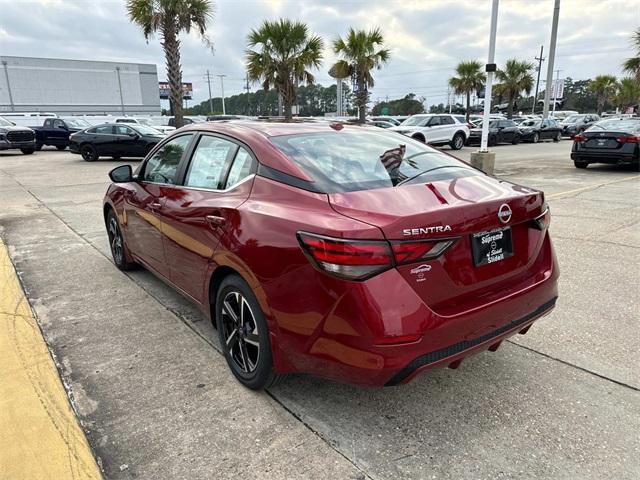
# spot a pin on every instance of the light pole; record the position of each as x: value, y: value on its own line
x: 552, y: 56
x: 224, y: 112
x: 491, y: 68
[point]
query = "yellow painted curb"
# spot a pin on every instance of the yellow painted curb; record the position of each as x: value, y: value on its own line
x: 40, y: 437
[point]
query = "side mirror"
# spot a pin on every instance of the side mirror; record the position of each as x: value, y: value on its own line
x: 62, y: 127
x: 121, y: 174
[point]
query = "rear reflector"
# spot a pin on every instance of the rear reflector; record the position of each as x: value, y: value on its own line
x: 361, y: 259
x: 628, y: 139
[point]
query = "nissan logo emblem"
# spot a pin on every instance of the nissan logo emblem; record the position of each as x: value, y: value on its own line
x: 504, y: 213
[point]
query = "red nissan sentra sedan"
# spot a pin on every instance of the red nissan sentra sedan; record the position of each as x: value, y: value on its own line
x: 347, y: 252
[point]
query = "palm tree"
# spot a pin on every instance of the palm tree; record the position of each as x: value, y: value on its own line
x: 628, y: 93
x: 514, y: 79
x: 632, y: 65
x: 286, y: 52
x: 361, y: 52
x: 470, y: 78
x: 604, y: 87
x: 169, y: 18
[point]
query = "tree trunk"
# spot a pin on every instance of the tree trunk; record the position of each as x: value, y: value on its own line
x: 171, y: 46
x: 361, y: 98
x: 468, y: 107
x: 510, y: 107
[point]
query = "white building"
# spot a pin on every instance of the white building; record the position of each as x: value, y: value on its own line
x: 78, y: 87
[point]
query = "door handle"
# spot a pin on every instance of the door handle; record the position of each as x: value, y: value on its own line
x: 155, y: 206
x: 215, y: 220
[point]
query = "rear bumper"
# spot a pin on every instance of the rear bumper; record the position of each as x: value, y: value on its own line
x: 344, y: 344
x: 613, y: 158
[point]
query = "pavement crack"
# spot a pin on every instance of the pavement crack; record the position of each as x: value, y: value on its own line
x: 569, y: 364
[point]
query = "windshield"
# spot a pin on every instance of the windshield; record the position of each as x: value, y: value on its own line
x: 145, y: 130
x: 415, y: 120
x: 5, y: 123
x: 350, y: 160
x: 492, y: 123
x: 573, y: 118
x: 531, y: 123
x: 77, y: 123
x: 144, y: 121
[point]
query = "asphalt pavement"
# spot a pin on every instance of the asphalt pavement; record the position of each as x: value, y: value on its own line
x: 156, y: 399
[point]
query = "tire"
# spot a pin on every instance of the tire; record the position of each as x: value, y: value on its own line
x: 580, y: 164
x: 61, y: 147
x: 28, y: 151
x: 558, y: 137
x: 89, y: 153
x: 516, y: 140
x: 535, y: 138
x: 491, y: 141
x: 118, y: 248
x: 419, y: 137
x: 244, y: 335
x: 457, y: 142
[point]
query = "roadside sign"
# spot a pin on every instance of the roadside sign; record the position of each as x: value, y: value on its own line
x: 165, y: 90
x: 557, y: 88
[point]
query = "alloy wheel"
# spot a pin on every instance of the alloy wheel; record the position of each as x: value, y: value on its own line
x: 240, y: 332
x: 458, y: 142
x: 115, y: 239
x: 88, y: 153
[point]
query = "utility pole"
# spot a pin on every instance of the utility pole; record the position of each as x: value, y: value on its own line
x: 535, y: 97
x: 224, y: 112
x: 208, y: 77
x: 555, y: 91
x: 552, y: 56
x: 490, y: 68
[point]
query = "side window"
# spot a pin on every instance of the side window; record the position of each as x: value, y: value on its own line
x: 163, y: 166
x: 435, y: 121
x: 58, y: 123
x: 123, y: 130
x: 241, y: 168
x: 447, y: 120
x: 209, y: 163
x: 104, y: 129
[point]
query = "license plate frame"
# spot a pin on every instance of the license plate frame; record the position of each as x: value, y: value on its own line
x: 491, y: 246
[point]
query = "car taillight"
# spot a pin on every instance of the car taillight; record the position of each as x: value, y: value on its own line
x: 470, y: 126
x: 579, y: 138
x: 408, y: 252
x: 542, y: 221
x: 628, y: 139
x: 361, y: 259
x: 350, y: 259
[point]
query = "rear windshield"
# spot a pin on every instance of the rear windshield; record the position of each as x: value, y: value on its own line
x: 358, y: 159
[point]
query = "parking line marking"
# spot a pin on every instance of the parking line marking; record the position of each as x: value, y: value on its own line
x: 592, y: 186
x: 41, y: 437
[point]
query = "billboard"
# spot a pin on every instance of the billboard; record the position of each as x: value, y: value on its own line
x: 165, y: 90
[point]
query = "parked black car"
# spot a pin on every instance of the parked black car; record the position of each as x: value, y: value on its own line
x: 574, y: 124
x: 500, y: 131
x: 536, y: 129
x: 56, y: 131
x: 615, y: 141
x: 114, y: 140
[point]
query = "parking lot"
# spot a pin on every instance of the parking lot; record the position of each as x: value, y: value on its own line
x: 157, y: 400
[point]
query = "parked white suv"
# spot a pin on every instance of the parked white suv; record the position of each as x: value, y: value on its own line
x: 435, y: 129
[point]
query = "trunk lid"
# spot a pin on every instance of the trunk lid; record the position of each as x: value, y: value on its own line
x: 604, y: 140
x: 453, y: 208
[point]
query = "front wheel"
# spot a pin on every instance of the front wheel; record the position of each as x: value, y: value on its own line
x: 89, y: 153
x: 457, y: 142
x: 516, y: 140
x: 580, y: 164
x: 558, y: 137
x: 536, y: 137
x: 244, y: 335
x: 61, y: 147
x: 27, y: 151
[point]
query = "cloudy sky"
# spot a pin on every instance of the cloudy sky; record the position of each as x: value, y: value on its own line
x: 426, y: 37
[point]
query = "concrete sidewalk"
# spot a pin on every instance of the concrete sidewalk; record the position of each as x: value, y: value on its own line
x: 40, y: 435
